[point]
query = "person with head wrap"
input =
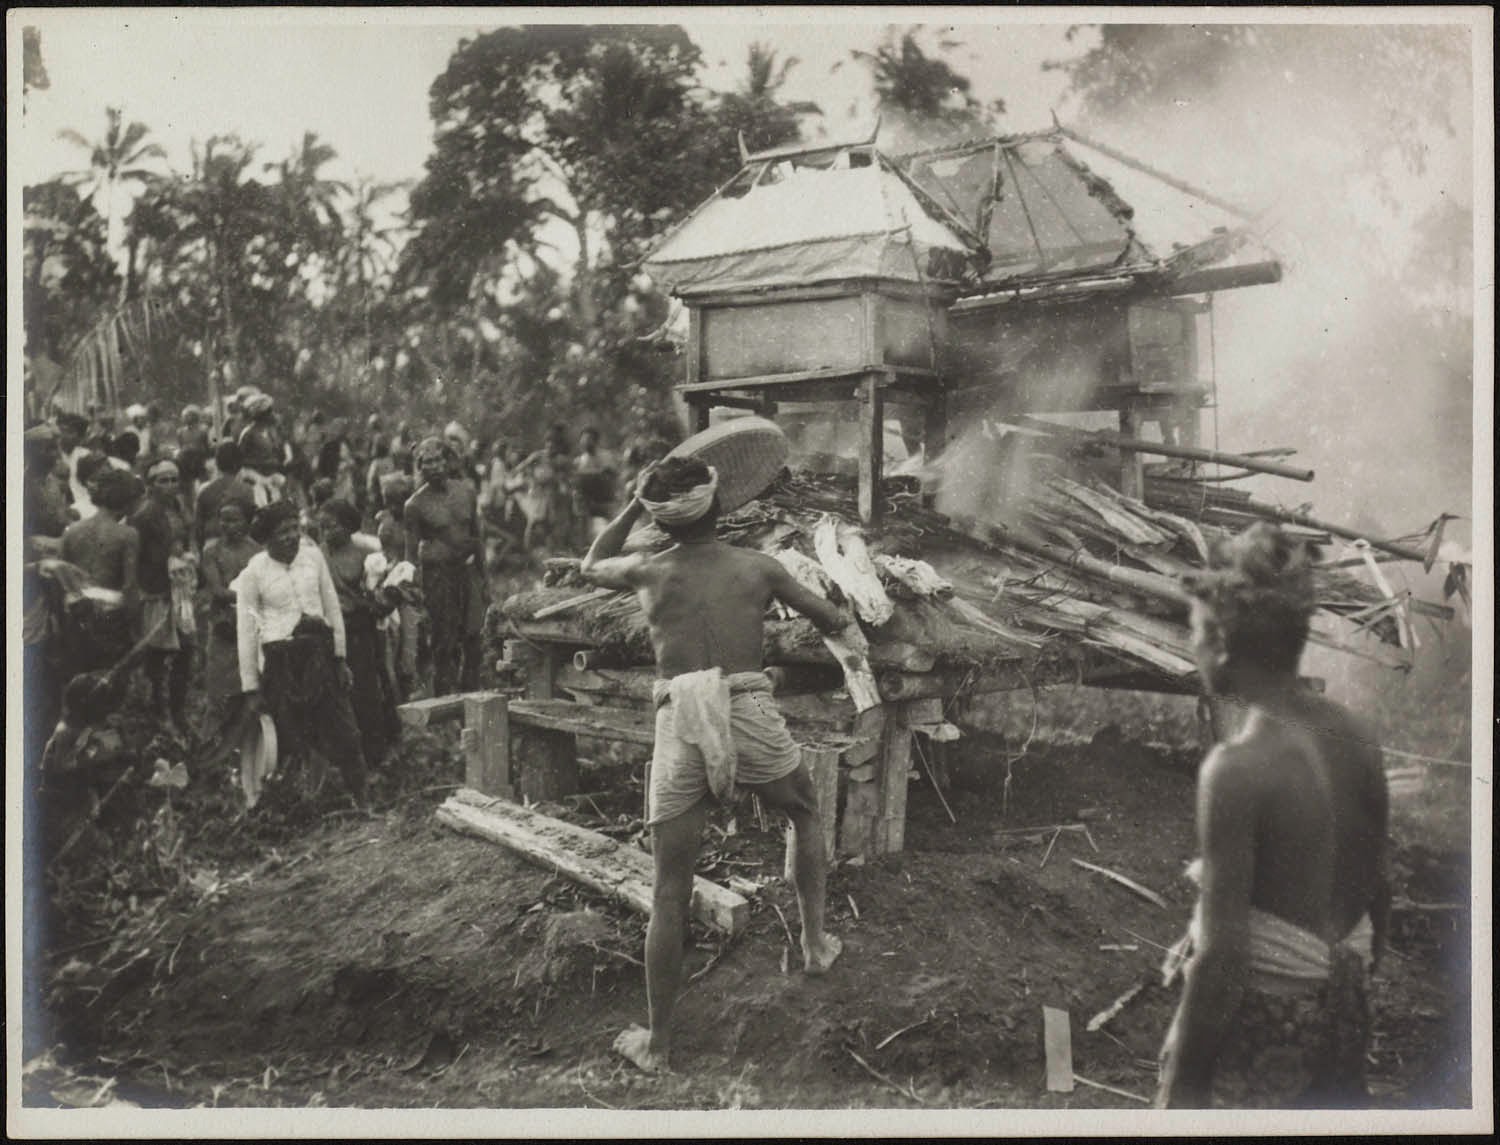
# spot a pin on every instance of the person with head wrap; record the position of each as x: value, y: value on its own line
x: 107, y: 549
x: 292, y: 647
x: 716, y: 723
x: 167, y: 575
x: 1293, y: 909
x: 139, y: 419
x: 363, y: 610
x: 445, y: 544
x: 262, y: 449
x: 227, y: 486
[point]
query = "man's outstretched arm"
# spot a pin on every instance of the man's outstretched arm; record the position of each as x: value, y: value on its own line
x: 603, y: 565
x: 828, y: 617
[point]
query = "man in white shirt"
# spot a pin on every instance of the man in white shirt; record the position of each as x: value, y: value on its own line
x: 291, y: 647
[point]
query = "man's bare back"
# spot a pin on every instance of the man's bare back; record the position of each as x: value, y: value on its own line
x: 1318, y: 803
x: 105, y: 548
x: 705, y: 603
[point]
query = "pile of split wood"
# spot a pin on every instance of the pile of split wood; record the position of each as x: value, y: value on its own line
x: 1072, y: 573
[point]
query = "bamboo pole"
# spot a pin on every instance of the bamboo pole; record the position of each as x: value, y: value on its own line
x: 1161, y: 449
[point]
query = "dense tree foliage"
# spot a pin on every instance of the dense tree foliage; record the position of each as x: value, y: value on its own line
x: 924, y: 101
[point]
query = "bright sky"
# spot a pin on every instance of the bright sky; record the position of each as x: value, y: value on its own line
x: 359, y: 78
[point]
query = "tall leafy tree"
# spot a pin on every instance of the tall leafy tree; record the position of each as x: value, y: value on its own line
x: 924, y: 99
x: 120, y: 159
x: 584, y: 140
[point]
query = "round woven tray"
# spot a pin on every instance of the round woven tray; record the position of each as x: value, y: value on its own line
x: 748, y: 453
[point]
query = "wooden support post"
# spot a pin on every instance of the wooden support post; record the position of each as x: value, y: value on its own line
x: 871, y: 446
x: 935, y: 424
x: 1132, y: 478
x: 861, y: 813
x: 546, y: 763
x: 695, y: 345
x: 541, y: 665
x: 892, y: 767
x: 823, y: 765
x: 701, y: 413
x: 486, y: 741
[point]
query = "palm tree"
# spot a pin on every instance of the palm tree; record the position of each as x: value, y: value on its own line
x: 118, y: 159
x: 923, y: 89
x: 309, y: 196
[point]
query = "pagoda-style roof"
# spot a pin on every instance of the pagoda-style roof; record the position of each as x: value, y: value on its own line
x: 813, y: 215
x: 991, y: 215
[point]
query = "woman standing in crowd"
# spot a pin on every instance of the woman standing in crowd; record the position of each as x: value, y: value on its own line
x: 224, y: 558
x: 287, y: 613
x: 362, y: 609
x: 167, y: 578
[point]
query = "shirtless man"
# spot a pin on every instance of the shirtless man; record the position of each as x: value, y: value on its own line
x: 108, y: 550
x: 1294, y: 906
x: 444, y: 542
x: 705, y: 603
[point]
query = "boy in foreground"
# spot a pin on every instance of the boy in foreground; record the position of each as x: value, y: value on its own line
x: 716, y: 722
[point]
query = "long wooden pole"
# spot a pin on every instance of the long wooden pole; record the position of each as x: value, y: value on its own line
x: 1161, y: 449
x: 1288, y: 517
x: 1146, y: 169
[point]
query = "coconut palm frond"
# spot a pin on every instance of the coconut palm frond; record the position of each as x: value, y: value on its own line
x: 95, y: 370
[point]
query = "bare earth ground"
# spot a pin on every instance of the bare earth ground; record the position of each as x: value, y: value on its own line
x: 391, y: 963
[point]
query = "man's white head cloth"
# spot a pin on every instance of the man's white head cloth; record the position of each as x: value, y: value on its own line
x: 686, y: 507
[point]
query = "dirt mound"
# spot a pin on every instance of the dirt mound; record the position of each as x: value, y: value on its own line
x: 395, y: 963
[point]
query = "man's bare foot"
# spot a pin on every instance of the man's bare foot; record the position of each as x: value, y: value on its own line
x: 817, y: 962
x: 634, y: 1045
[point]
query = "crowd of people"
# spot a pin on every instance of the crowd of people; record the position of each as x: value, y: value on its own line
x: 324, y: 576
x: 316, y: 571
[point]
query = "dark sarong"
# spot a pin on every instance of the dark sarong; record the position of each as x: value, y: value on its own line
x: 374, y: 705
x: 1300, y: 1051
x: 455, y: 598
x: 302, y: 693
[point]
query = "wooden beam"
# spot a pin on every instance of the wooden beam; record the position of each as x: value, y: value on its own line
x: 892, y: 767
x: 620, y: 871
x: 436, y: 709
x: 1132, y: 478
x: 617, y: 724
x: 935, y: 425
x: 760, y: 381
x: 1224, y: 278
x: 871, y: 449
x: 695, y: 345
x: 761, y: 296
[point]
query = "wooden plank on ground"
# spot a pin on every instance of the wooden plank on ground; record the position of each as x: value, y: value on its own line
x: 619, y: 870
x: 1057, y: 1034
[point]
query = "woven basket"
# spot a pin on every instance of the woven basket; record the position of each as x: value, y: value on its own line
x: 748, y: 453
